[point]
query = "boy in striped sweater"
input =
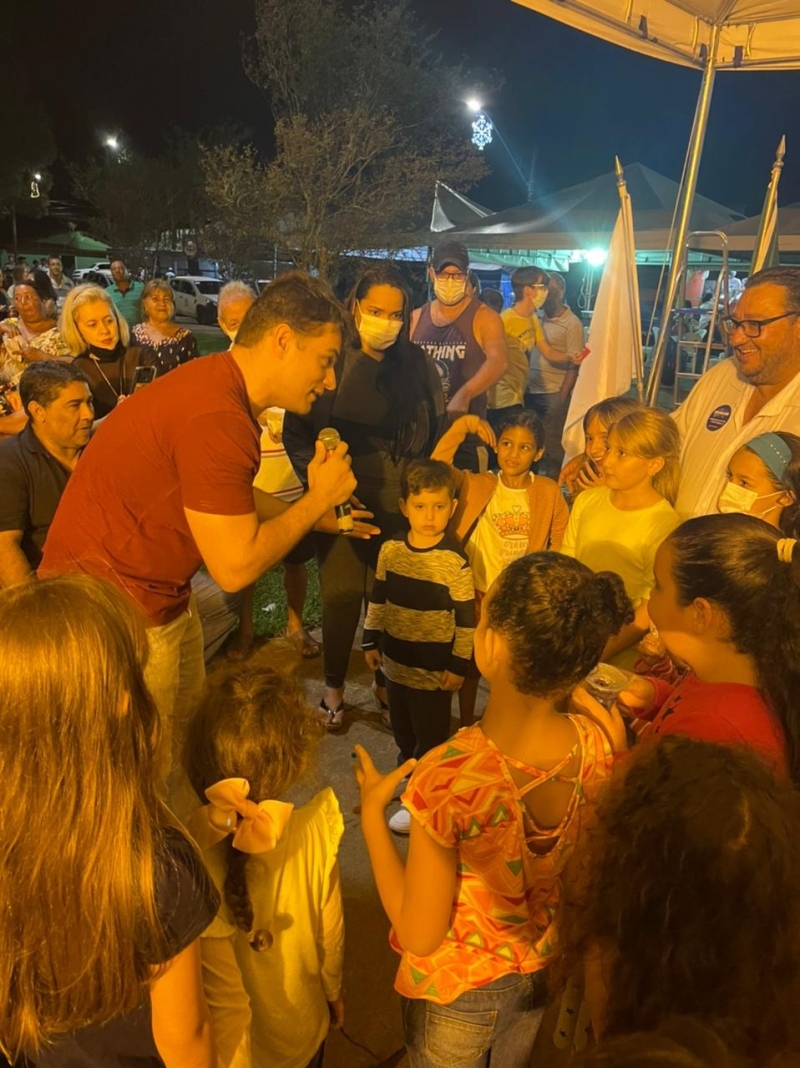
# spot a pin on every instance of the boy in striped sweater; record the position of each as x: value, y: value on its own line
x: 421, y: 617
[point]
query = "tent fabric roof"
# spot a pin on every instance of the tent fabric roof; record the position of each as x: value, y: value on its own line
x: 72, y: 241
x: 755, y: 34
x: 742, y: 235
x: 454, y: 209
x: 583, y: 216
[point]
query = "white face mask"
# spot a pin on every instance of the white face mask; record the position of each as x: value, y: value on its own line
x: 739, y: 499
x: 376, y: 333
x: 449, y: 290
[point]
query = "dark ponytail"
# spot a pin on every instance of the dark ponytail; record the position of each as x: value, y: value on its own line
x: 733, y: 561
x: 556, y: 616
x: 237, y: 898
x: 253, y: 724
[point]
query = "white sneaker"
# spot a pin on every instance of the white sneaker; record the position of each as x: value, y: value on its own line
x: 400, y: 822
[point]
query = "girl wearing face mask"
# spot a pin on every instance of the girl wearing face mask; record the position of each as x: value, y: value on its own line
x: 764, y: 481
x: 388, y: 406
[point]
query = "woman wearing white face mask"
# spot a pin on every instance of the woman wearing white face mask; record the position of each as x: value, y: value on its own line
x: 388, y: 406
x: 764, y: 481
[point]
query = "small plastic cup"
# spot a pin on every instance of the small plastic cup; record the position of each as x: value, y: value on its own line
x: 605, y: 683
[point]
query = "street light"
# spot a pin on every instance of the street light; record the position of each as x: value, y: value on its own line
x: 474, y: 105
x: 112, y: 143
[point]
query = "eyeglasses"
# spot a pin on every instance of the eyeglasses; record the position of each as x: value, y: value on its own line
x: 752, y: 327
x: 457, y: 276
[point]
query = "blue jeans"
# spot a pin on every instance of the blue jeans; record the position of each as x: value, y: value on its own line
x: 493, y: 1026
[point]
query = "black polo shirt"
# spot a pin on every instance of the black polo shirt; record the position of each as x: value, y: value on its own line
x: 31, y: 484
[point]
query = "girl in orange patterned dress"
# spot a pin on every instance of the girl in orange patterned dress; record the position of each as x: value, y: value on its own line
x: 496, y: 813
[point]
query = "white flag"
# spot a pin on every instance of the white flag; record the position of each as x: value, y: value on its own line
x: 614, y: 334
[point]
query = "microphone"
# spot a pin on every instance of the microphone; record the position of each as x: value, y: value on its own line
x: 330, y: 438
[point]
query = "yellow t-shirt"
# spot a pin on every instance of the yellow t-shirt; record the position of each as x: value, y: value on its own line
x: 607, y: 539
x: 522, y: 333
x: 295, y: 893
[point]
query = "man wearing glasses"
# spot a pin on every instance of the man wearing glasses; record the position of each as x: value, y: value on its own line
x: 464, y: 337
x: 755, y: 392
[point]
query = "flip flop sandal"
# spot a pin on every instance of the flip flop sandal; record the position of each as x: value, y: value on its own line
x: 332, y: 718
x: 303, y: 643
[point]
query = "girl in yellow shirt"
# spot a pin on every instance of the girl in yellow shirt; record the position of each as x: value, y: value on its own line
x: 272, y: 959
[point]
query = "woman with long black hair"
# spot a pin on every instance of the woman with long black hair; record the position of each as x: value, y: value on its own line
x: 389, y: 408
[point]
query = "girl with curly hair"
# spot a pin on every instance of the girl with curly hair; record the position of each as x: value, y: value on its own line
x: 496, y: 812
x: 695, y: 904
x: 272, y: 959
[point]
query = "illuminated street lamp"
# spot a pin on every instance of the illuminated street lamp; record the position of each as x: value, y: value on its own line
x: 114, y: 145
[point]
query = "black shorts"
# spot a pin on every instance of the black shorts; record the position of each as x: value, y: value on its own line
x: 304, y: 551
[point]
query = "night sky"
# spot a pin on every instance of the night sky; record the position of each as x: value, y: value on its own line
x: 570, y: 99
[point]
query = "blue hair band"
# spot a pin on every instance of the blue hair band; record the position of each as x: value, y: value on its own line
x: 773, y: 451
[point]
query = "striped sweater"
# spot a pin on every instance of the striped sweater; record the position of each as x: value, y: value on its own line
x: 421, y: 612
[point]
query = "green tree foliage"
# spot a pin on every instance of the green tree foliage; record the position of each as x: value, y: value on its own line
x: 144, y: 203
x: 368, y: 117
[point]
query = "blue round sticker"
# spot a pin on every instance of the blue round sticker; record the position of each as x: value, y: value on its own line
x: 719, y: 417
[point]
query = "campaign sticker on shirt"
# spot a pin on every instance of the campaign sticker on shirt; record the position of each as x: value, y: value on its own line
x: 719, y: 417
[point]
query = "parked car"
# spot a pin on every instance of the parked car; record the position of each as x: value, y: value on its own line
x: 104, y: 268
x: 196, y: 297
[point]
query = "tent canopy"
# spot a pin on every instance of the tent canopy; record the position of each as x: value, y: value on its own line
x: 755, y: 34
x: 583, y: 216
x: 742, y: 235
x: 72, y: 241
x: 454, y: 209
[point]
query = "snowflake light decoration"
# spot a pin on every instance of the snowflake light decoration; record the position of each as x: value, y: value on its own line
x: 482, y: 130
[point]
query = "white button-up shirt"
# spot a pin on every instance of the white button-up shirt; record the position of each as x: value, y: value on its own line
x: 712, y: 425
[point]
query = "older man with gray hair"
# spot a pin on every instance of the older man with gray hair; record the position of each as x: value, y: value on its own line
x: 233, y: 303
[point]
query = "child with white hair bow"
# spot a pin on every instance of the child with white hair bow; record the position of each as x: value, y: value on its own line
x: 272, y: 959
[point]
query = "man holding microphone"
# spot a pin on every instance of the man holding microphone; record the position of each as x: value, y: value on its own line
x: 167, y: 482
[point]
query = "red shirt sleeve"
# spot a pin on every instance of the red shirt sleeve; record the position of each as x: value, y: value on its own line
x: 217, y: 457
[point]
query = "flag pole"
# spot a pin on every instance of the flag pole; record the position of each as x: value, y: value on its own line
x: 690, y: 185
x: 766, y: 228
x: 633, y: 280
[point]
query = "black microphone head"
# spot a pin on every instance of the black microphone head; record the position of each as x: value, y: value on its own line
x: 330, y: 437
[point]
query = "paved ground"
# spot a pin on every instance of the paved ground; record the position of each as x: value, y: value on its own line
x: 373, y: 1035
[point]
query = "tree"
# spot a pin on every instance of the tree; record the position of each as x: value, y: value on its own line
x: 144, y: 203
x: 235, y: 184
x: 367, y: 119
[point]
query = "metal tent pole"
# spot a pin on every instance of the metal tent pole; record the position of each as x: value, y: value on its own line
x: 692, y: 170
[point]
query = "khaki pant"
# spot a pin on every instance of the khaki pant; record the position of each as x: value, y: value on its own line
x: 175, y: 675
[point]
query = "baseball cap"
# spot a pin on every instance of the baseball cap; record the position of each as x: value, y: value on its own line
x: 450, y: 254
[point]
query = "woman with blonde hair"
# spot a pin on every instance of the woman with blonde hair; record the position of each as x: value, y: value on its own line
x: 98, y: 337
x: 103, y: 901
x: 172, y: 344
x: 618, y: 526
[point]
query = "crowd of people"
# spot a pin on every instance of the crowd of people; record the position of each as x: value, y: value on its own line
x: 615, y: 837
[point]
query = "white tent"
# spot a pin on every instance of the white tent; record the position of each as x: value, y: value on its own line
x: 753, y: 34
x: 454, y: 209
x: 583, y: 216
x: 708, y: 35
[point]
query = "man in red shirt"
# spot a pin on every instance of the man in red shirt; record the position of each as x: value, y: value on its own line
x: 167, y: 482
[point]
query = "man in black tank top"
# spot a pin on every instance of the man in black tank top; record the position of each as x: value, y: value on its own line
x: 464, y: 337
